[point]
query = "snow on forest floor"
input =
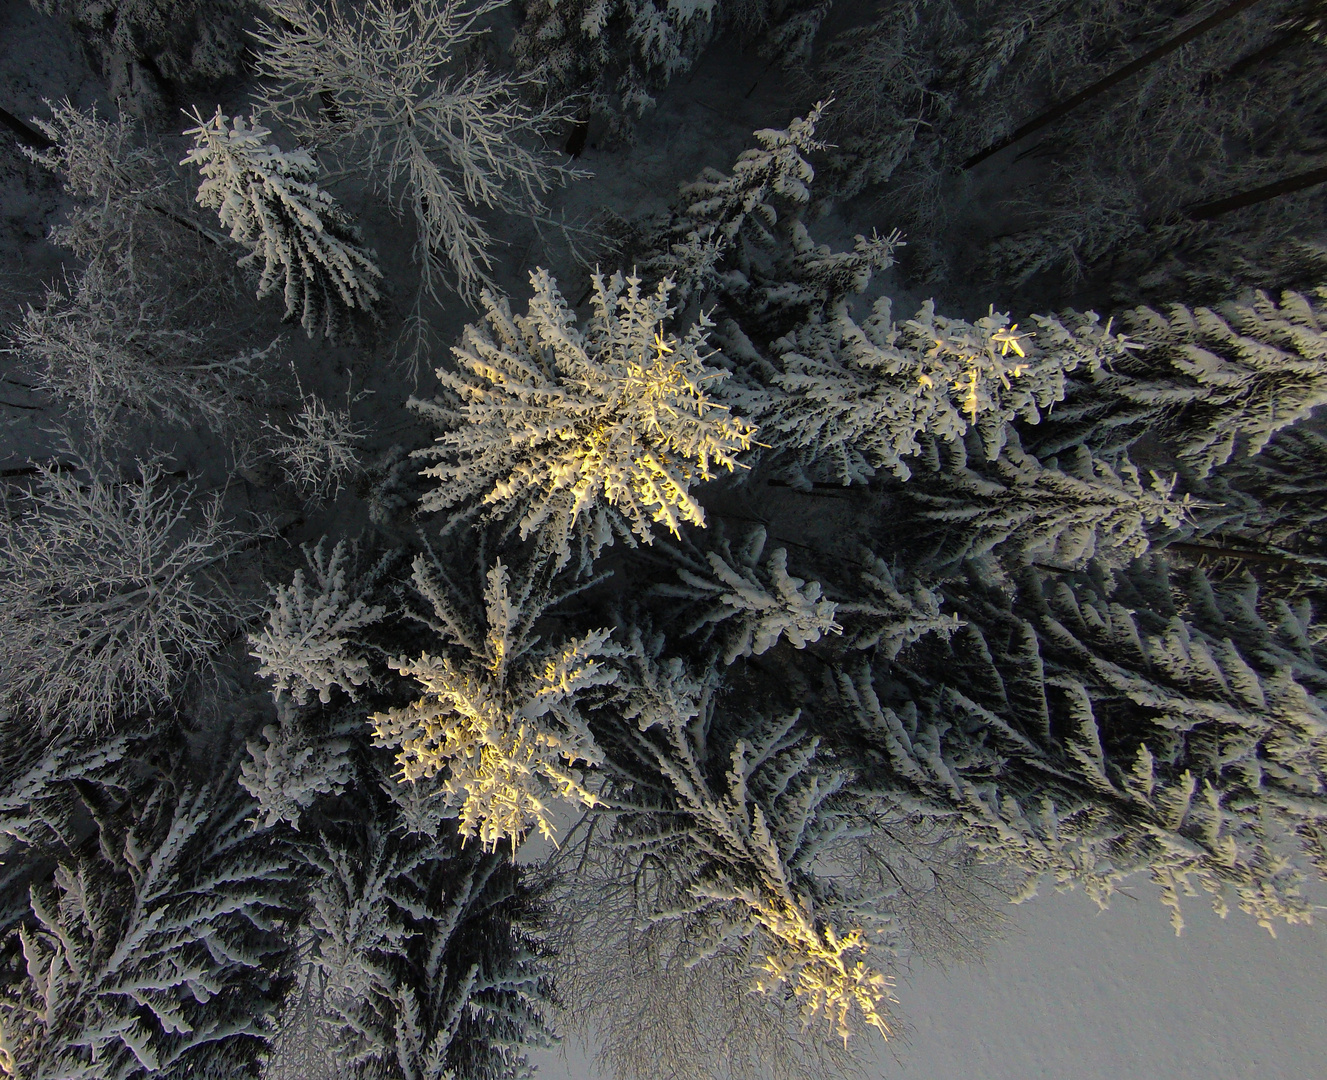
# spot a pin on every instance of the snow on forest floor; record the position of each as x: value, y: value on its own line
x: 1071, y: 994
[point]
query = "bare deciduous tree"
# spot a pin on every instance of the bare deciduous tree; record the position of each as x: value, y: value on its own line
x: 108, y: 595
x: 392, y: 94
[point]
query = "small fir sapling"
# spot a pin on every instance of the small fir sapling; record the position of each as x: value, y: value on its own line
x: 270, y: 202
x: 891, y: 609
x: 500, y: 712
x: 310, y: 642
x: 755, y: 604
x: 617, y: 51
x: 319, y: 451
x: 758, y: 604
x: 109, y: 595
x: 443, y: 141
x: 1278, y: 496
x: 582, y: 432
x: 390, y: 483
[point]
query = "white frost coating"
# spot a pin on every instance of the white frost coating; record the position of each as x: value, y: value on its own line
x: 107, y: 596
x: 581, y: 430
x: 440, y: 140
x: 758, y: 603
x: 307, y: 644
x: 268, y: 199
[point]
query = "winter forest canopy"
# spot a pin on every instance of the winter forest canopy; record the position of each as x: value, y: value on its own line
x: 440, y: 610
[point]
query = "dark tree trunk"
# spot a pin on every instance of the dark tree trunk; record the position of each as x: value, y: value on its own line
x: 1114, y: 78
x: 1208, y: 210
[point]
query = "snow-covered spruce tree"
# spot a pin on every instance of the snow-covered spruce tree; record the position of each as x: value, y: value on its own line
x: 1060, y: 511
x: 1091, y: 727
x: 499, y: 718
x: 309, y: 644
x: 425, y: 963
x: 441, y: 139
x: 1209, y: 384
x: 270, y: 201
x: 754, y: 604
x: 723, y: 822
x: 720, y: 217
x: 582, y: 432
x: 887, y: 78
x: 116, y: 350
x: 42, y: 812
x: 848, y: 397
x: 155, y: 951
x: 739, y: 240
x: 109, y: 595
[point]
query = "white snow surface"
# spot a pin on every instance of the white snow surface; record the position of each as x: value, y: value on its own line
x: 1071, y: 994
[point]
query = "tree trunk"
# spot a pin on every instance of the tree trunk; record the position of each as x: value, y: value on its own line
x: 1119, y: 75
x: 1208, y: 210
x: 28, y: 136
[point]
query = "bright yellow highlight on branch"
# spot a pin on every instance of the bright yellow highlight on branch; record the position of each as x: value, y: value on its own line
x: 979, y: 349
x: 586, y: 433
x: 1007, y: 340
x: 499, y: 725
x: 819, y: 968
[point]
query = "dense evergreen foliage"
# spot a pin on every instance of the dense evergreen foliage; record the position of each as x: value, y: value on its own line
x: 723, y: 631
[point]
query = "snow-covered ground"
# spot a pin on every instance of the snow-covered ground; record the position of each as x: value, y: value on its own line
x: 1071, y: 994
